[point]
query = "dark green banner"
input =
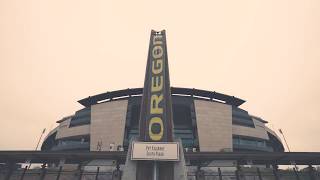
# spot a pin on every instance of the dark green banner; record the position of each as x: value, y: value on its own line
x: 156, y: 107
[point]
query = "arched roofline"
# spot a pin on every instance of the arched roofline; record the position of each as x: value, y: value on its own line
x: 108, y: 96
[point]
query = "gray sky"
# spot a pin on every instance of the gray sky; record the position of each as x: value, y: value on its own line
x: 53, y: 53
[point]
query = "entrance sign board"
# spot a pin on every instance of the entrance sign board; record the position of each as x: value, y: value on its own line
x: 155, y: 151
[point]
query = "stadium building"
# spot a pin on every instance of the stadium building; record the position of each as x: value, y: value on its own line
x: 205, y: 121
x: 160, y: 133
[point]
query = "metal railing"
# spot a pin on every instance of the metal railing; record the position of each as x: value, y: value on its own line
x: 200, y: 166
x: 253, y: 173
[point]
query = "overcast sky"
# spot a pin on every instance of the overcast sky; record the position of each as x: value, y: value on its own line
x: 53, y: 53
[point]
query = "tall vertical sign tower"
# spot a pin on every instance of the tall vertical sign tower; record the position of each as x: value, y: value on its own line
x: 156, y: 107
x: 156, y: 125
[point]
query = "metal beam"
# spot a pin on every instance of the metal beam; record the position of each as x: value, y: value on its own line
x: 280, y: 158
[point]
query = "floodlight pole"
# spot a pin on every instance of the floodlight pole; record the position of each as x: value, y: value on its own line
x: 280, y: 131
x: 284, y: 139
x: 44, y: 130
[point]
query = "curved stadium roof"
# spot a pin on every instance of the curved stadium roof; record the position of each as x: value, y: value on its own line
x: 198, y: 93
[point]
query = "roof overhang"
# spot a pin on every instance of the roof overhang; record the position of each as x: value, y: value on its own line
x: 124, y: 93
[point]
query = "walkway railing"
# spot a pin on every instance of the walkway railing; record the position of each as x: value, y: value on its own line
x: 14, y: 165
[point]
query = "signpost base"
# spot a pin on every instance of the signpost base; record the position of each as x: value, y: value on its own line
x: 130, y: 167
x: 180, y: 168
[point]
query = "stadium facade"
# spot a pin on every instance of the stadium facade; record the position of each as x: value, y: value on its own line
x: 205, y: 121
x: 181, y: 133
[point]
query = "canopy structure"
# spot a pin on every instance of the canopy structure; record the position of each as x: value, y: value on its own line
x: 123, y: 93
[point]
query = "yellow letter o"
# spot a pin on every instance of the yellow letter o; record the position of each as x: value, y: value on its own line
x: 155, y: 121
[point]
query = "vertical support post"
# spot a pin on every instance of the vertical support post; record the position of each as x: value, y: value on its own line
x: 116, y: 175
x: 311, y: 172
x: 275, y: 171
x: 238, y: 173
x: 259, y: 174
x: 220, y: 175
x: 59, y: 172
x: 97, y: 173
x: 118, y: 165
x: 10, y: 166
x: 43, y: 171
x: 80, y: 172
x: 155, y: 171
x: 199, y: 173
x: 61, y: 162
x: 296, y: 173
x: 23, y: 172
